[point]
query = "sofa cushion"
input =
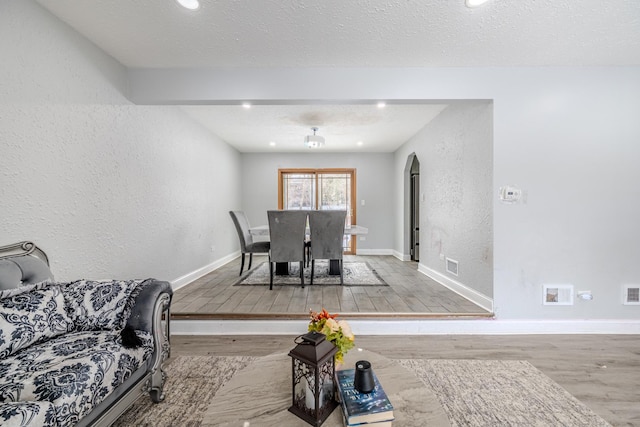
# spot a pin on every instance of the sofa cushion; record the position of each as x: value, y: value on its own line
x: 100, y: 305
x: 75, y: 371
x: 30, y: 315
x: 6, y: 293
x: 20, y: 414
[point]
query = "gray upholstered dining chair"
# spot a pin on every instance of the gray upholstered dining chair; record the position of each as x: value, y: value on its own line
x: 327, y: 233
x: 286, y: 232
x: 247, y: 245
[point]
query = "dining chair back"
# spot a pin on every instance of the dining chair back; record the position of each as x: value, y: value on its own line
x: 327, y: 234
x: 247, y: 245
x: 287, y: 233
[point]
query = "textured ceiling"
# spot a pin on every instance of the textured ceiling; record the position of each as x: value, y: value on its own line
x: 359, y: 33
x: 342, y: 126
x: 350, y: 33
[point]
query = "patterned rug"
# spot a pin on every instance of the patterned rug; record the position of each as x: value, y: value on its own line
x: 472, y: 392
x: 191, y: 384
x: 501, y: 393
x: 354, y: 273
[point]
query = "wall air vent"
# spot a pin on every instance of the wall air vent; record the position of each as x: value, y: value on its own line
x: 631, y: 295
x: 452, y: 266
x: 557, y: 294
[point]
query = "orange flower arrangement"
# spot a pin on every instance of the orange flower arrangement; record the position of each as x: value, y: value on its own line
x: 338, y: 332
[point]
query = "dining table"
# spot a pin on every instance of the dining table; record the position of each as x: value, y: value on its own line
x: 282, y: 268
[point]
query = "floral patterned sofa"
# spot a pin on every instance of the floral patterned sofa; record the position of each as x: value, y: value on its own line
x: 76, y: 353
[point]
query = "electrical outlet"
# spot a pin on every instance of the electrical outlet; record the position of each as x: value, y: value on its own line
x: 363, y: 238
x: 585, y: 295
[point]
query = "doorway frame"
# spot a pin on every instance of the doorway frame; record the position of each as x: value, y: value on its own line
x: 406, y: 211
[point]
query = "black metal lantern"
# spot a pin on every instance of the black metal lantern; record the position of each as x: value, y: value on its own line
x: 313, y: 370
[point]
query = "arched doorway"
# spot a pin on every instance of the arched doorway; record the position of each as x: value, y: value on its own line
x: 414, y: 202
x: 412, y: 209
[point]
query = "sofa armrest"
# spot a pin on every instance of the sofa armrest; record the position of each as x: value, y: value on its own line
x: 151, y: 313
x: 142, y: 312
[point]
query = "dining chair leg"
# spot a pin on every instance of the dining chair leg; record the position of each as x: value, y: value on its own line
x: 302, y: 273
x: 250, y: 260
x: 270, y: 275
x: 242, y: 264
x: 341, y: 275
x: 313, y: 267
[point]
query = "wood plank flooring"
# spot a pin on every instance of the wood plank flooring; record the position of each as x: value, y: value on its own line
x: 410, y: 293
x: 602, y: 371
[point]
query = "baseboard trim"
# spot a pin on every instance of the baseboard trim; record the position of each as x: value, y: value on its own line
x: 401, y: 256
x: 457, y: 287
x: 413, y: 327
x: 374, y: 251
x: 196, y: 274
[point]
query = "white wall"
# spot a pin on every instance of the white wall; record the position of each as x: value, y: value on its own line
x: 109, y: 189
x: 455, y: 151
x: 567, y: 136
x: 374, y: 181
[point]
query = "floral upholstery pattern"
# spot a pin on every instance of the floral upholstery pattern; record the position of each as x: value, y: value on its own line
x: 62, y: 356
x: 6, y: 293
x: 74, y: 372
x: 20, y: 414
x: 31, y: 316
x: 100, y: 305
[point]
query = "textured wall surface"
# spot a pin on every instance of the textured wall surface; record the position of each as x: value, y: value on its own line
x: 568, y: 136
x: 107, y: 188
x: 455, y: 152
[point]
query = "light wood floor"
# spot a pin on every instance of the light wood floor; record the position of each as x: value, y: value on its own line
x: 602, y: 371
x: 410, y: 292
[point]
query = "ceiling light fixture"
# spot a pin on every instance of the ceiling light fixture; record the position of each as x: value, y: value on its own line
x: 382, y: 104
x: 313, y: 141
x: 246, y: 105
x: 189, y: 4
x: 475, y: 3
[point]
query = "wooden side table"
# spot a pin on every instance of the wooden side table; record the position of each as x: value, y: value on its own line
x: 261, y: 395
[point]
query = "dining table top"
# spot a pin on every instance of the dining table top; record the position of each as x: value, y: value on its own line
x: 263, y: 230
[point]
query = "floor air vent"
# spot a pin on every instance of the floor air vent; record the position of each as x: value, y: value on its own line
x: 557, y: 294
x: 631, y: 295
x: 452, y: 266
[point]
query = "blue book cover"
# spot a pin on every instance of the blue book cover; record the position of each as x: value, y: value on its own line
x: 362, y: 407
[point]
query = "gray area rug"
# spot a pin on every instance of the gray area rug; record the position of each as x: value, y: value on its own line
x: 354, y: 273
x: 191, y: 384
x: 472, y: 393
x: 501, y: 393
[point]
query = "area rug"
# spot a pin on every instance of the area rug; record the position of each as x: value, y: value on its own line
x: 472, y: 393
x: 192, y: 382
x: 354, y: 274
x: 501, y: 393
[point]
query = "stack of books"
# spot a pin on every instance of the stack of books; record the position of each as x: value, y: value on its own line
x: 363, y: 409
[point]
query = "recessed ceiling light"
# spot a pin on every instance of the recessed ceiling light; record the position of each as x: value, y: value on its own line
x: 189, y: 4
x: 359, y: 143
x: 475, y: 3
x: 246, y: 105
x: 273, y: 144
x: 382, y: 104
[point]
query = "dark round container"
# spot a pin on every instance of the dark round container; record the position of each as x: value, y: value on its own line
x: 363, y: 380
